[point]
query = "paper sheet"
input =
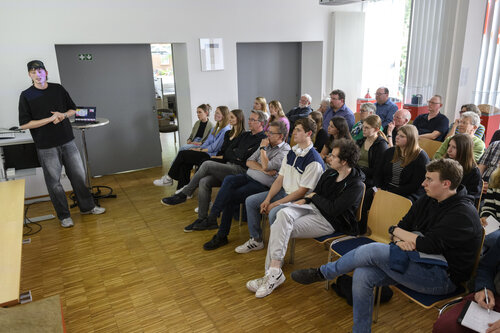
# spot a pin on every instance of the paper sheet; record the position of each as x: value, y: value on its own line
x: 476, y: 318
x: 305, y: 206
x: 493, y: 225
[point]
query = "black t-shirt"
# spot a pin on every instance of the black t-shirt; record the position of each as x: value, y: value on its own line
x: 36, y: 104
x: 201, y: 129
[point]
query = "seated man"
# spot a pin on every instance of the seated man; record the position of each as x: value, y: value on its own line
x: 338, y: 109
x: 299, y: 173
x: 401, y: 118
x: 432, y: 125
x: 448, y: 225
x: 301, y: 111
x: 468, y: 125
x: 487, y: 277
x: 263, y: 167
x: 212, y: 172
x: 331, y: 207
x: 489, y: 161
x: 385, y: 107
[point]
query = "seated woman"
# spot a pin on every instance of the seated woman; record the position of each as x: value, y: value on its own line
x: 260, y: 104
x: 366, y: 109
x: 373, y: 145
x: 201, y: 129
x: 402, y: 170
x: 491, y: 205
x: 320, y: 138
x: 186, y: 159
x: 330, y: 207
x: 277, y: 114
x: 460, y: 149
x: 454, y: 127
x: 468, y: 125
x: 337, y: 129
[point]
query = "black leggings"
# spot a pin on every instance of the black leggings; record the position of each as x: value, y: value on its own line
x: 183, y: 163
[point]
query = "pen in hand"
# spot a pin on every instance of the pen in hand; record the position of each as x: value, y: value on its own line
x: 487, y: 299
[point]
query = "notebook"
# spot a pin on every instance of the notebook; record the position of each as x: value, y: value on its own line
x: 85, y: 115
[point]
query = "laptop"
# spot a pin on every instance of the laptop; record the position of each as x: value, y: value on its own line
x: 85, y: 115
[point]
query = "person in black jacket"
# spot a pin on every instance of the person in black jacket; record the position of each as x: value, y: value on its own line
x: 330, y: 207
x: 320, y: 138
x: 443, y: 222
x: 461, y: 149
x: 373, y: 145
x: 402, y: 170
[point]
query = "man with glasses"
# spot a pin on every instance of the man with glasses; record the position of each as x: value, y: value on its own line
x: 385, y: 107
x: 263, y: 167
x: 432, y: 125
x: 338, y: 109
x: 401, y: 118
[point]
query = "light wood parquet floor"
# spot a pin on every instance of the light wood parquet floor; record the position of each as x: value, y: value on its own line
x: 133, y: 269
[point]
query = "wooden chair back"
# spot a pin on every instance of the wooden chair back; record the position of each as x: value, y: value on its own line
x: 430, y: 146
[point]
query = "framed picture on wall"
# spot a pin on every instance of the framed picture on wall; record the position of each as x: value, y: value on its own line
x: 211, y: 54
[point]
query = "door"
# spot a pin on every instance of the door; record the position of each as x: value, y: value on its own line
x: 118, y: 81
x: 271, y: 70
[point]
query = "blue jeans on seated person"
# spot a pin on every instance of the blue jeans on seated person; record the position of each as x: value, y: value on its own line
x: 252, y: 204
x: 52, y: 161
x: 233, y: 192
x: 370, y: 264
x: 188, y: 146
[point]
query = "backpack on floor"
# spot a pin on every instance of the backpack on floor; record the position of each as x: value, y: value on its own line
x: 343, y: 288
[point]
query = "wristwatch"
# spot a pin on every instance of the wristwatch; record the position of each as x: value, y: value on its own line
x: 391, y: 229
x: 262, y: 148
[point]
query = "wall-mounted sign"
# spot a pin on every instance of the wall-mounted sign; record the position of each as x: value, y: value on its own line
x: 211, y: 53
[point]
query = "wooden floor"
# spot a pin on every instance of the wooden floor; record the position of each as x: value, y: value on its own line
x: 133, y: 269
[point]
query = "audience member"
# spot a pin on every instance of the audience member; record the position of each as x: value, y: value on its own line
x: 301, y: 111
x: 338, y: 109
x: 324, y: 105
x: 232, y: 162
x: 331, y: 207
x: 186, y: 159
x: 321, y: 137
x: 491, y: 205
x: 432, y: 125
x: 277, y: 114
x: 460, y: 149
x: 263, y: 167
x: 465, y: 108
x: 337, y: 129
x: 447, y: 224
x: 365, y: 110
x: 402, y: 170
x: 299, y: 173
x: 373, y: 145
x: 401, y: 118
x: 201, y: 129
x: 468, y: 125
x: 260, y: 104
x: 385, y: 107
x: 490, y: 159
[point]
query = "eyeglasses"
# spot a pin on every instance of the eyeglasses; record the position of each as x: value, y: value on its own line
x: 252, y: 120
x: 431, y: 102
x: 380, y: 94
x: 272, y: 133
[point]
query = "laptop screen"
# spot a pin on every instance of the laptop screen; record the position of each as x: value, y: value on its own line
x: 85, y: 113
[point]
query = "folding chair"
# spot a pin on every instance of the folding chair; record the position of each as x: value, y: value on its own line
x: 429, y: 146
x: 485, y: 185
x: 328, y: 238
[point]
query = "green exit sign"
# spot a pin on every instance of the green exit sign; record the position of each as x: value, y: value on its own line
x: 85, y: 56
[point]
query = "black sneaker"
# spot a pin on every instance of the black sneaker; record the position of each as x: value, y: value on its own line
x: 189, y: 227
x: 174, y: 200
x: 207, y: 224
x: 307, y: 276
x: 215, y: 243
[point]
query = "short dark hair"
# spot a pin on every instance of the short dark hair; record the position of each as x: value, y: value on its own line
x: 261, y: 116
x: 281, y: 127
x: 308, y: 125
x: 448, y: 169
x: 348, y: 151
x: 386, y: 91
x: 339, y: 93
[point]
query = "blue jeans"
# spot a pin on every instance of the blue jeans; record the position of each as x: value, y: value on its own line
x: 233, y: 191
x: 52, y: 161
x: 252, y: 204
x: 370, y: 264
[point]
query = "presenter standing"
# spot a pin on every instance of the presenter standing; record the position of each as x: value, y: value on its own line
x: 44, y: 109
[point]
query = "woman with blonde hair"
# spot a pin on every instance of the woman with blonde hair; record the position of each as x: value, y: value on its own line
x: 260, y: 104
x: 372, y: 147
x: 402, y: 170
x: 277, y: 114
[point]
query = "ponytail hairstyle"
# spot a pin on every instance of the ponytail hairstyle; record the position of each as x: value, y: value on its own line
x: 374, y: 121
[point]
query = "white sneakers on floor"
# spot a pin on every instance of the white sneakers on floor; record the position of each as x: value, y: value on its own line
x: 67, y: 222
x: 265, y: 285
x: 95, y: 211
x: 250, y: 245
x: 164, y: 181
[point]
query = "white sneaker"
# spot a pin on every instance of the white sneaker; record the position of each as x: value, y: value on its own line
x: 67, y: 222
x: 250, y: 245
x: 164, y: 181
x: 253, y: 285
x: 273, y: 279
x: 95, y: 211
x: 187, y: 196
x: 196, y: 209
